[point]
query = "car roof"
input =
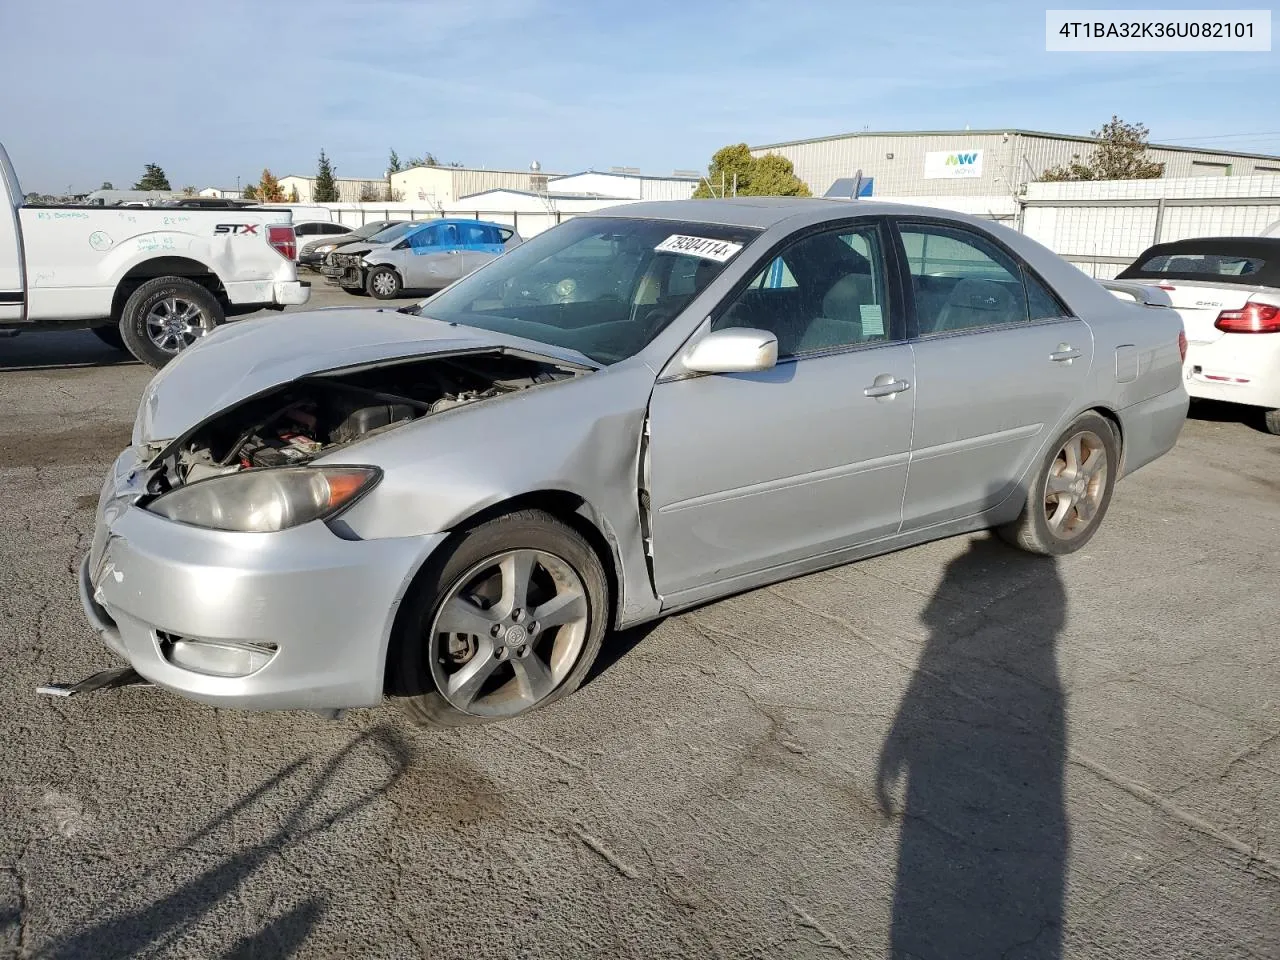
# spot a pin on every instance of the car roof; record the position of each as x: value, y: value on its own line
x: 1237, y: 245
x: 765, y: 212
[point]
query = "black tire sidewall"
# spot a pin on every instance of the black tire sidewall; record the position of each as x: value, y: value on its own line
x: 408, y: 674
x: 1053, y: 544
x: 133, y: 324
x: 380, y: 271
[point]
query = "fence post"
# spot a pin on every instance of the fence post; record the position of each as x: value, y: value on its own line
x: 1159, y: 220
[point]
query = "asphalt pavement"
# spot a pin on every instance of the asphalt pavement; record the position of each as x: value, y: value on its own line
x: 957, y: 750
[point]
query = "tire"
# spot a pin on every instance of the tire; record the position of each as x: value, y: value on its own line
x: 383, y: 283
x: 110, y: 336
x: 1272, y: 421
x: 426, y: 661
x: 146, y: 329
x: 1045, y: 526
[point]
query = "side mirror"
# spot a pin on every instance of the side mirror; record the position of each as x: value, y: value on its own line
x: 733, y: 350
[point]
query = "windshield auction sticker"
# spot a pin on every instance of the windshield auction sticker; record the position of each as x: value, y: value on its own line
x: 718, y: 250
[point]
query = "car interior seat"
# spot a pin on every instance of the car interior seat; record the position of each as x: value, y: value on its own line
x: 976, y: 302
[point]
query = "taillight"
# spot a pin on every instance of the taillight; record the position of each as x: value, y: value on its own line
x: 283, y: 241
x: 1182, y: 344
x: 1251, y: 318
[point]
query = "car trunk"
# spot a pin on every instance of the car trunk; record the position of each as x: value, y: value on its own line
x: 1199, y: 302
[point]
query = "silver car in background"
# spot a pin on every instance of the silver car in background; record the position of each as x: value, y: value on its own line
x: 312, y: 253
x: 640, y: 410
x: 418, y: 255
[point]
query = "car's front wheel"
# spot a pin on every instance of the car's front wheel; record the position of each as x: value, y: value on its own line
x: 1070, y: 492
x: 383, y: 283
x: 509, y: 620
x: 1272, y: 420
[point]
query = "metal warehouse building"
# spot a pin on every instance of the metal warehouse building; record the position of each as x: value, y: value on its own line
x: 972, y: 163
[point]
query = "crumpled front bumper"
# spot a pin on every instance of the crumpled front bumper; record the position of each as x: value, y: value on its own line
x: 318, y: 607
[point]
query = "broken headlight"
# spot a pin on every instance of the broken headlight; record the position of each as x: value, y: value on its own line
x: 260, y: 501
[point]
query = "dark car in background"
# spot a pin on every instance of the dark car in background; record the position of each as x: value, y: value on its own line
x: 312, y: 252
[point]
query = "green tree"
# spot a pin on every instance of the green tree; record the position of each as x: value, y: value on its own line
x: 269, y: 188
x: 293, y: 194
x: 1121, y: 154
x: 326, y: 190
x: 250, y: 192
x: 106, y: 185
x: 153, y: 179
x: 393, y: 163
x: 735, y: 172
x: 426, y: 160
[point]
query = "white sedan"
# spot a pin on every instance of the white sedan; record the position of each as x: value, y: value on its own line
x: 1227, y: 291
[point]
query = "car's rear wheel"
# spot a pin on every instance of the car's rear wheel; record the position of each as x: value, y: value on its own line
x: 1272, y: 420
x: 383, y: 283
x: 1071, y: 491
x: 509, y: 620
x: 165, y: 316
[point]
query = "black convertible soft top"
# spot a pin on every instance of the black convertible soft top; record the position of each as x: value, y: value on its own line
x: 1254, y: 261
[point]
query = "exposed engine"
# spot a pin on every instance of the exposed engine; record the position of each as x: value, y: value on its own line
x: 312, y: 416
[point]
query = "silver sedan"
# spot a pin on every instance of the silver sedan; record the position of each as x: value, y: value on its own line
x: 640, y: 410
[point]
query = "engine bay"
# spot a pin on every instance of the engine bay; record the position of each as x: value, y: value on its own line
x: 312, y: 416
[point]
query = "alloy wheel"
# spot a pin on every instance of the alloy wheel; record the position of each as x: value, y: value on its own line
x: 1075, y: 485
x: 508, y: 633
x: 174, y: 324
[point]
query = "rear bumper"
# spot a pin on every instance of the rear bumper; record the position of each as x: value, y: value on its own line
x: 1237, y: 367
x: 283, y: 292
x: 1151, y: 428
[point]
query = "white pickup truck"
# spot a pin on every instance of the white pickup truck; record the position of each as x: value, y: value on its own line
x: 150, y: 280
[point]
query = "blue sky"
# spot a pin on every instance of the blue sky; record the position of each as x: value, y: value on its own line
x: 93, y: 89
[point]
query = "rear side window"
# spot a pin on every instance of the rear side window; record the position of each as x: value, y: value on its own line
x: 478, y: 235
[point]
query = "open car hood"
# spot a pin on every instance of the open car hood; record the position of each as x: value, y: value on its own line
x: 247, y: 357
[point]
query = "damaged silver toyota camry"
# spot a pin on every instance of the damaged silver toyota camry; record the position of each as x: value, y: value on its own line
x: 637, y: 411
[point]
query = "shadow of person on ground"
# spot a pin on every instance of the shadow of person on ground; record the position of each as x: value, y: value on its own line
x: 980, y: 739
x: 150, y: 927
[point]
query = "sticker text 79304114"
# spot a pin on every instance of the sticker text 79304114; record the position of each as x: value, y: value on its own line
x: 719, y: 250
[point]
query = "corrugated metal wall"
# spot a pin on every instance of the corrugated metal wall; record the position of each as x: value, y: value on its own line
x: 897, y: 161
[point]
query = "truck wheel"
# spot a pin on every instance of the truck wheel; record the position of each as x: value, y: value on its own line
x: 165, y: 316
x: 1272, y: 420
x: 383, y: 283
x: 110, y: 336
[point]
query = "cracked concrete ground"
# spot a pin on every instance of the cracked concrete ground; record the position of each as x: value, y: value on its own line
x: 953, y: 751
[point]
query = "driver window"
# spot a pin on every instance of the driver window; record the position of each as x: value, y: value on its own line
x: 425, y: 238
x: 822, y: 293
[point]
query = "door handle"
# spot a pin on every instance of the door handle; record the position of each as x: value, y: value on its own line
x: 1064, y: 354
x: 886, y: 385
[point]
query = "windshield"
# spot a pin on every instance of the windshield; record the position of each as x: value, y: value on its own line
x: 604, y: 286
x: 392, y: 234
x: 371, y: 230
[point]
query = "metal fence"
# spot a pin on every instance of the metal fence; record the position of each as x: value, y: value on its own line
x: 524, y: 222
x: 1104, y: 236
